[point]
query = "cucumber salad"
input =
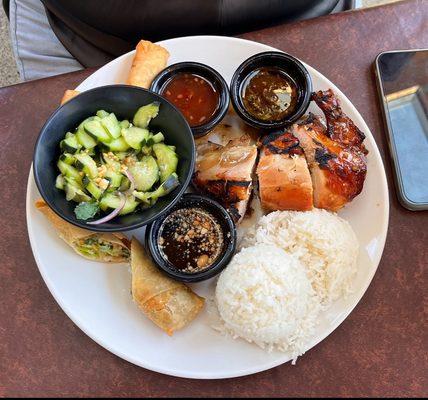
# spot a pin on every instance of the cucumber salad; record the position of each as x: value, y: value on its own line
x: 114, y: 166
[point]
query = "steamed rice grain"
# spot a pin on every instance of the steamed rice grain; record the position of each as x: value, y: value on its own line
x: 324, y: 243
x: 265, y: 297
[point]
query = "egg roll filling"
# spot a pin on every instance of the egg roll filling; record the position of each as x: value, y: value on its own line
x: 94, y: 246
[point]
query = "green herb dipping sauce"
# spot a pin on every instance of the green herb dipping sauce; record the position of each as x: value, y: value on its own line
x: 269, y: 94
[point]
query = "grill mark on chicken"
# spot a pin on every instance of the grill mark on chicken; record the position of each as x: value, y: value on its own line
x: 323, y: 156
x: 283, y: 174
x: 234, y: 213
x: 282, y: 143
x: 229, y: 193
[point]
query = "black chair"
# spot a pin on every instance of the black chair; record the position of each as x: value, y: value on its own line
x: 97, y: 31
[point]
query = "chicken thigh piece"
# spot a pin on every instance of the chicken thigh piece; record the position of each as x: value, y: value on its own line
x: 283, y: 174
x: 338, y: 171
x: 340, y: 127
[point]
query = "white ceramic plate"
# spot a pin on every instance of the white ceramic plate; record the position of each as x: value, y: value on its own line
x: 97, y: 296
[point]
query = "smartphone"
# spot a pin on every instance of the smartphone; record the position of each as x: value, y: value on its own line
x: 402, y: 80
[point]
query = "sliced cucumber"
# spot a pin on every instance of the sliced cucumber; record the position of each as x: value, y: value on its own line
x: 112, y: 200
x: 145, y: 173
x: 111, y: 125
x: 74, y: 188
x: 72, y: 192
x: 85, y: 180
x: 135, y: 136
x: 167, y: 160
x: 145, y: 114
x: 87, y: 141
x: 114, y: 177
x: 96, y: 130
x: 69, y: 171
x: 87, y: 164
x: 74, y: 182
x: 94, y: 190
x: 67, y: 158
x: 60, y: 182
x: 70, y: 144
x: 124, y: 124
x: 159, y: 137
x: 102, y: 114
x: 118, y: 144
x: 167, y: 187
x: 81, y: 125
x: 113, y: 174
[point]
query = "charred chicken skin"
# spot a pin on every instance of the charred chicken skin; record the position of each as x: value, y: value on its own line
x: 340, y: 128
x: 338, y: 171
x: 283, y: 174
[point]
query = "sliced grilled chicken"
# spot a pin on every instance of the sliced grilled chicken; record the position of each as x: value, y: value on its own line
x: 340, y: 127
x: 283, y: 174
x: 225, y: 173
x: 338, y: 172
x: 225, y: 164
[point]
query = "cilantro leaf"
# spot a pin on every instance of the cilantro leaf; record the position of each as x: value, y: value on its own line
x: 86, y: 210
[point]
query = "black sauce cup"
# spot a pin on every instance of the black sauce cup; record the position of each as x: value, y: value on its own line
x: 284, y: 62
x: 229, y: 234
x: 211, y: 75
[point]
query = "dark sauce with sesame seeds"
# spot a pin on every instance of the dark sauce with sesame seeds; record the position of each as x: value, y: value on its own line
x: 269, y: 94
x: 191, y: 239
x: 194, y: 96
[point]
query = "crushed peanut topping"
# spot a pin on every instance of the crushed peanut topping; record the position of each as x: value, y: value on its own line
x: 191, y: 239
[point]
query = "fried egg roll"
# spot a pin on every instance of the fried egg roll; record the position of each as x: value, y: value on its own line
x: 171, y: 305
x: 96, y: 246
x: 148, y: 61
x: 68, y: 95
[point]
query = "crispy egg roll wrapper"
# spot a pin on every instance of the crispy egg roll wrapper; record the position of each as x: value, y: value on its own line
x: 72, y: 234
x: 171, y: 305
x: 68, y: 95
x: 148, y: 61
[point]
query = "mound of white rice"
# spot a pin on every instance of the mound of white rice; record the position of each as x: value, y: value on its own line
x: 265, y: 297
x: 324, y: 243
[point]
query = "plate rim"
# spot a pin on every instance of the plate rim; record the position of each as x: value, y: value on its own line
x: 253, y: 369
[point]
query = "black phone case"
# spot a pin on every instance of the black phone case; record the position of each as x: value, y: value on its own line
x: 398, y: 174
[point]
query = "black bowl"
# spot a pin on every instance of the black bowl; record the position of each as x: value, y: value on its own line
x: 229, y: 231
x: 211, y: 75
x: 291, y: 66
x: 123, y: 101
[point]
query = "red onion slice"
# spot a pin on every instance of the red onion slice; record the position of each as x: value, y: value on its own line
x: 132, y: 180
x: 113, y: 214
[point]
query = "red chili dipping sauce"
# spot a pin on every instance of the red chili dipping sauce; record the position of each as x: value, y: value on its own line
x: 194, y: 96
